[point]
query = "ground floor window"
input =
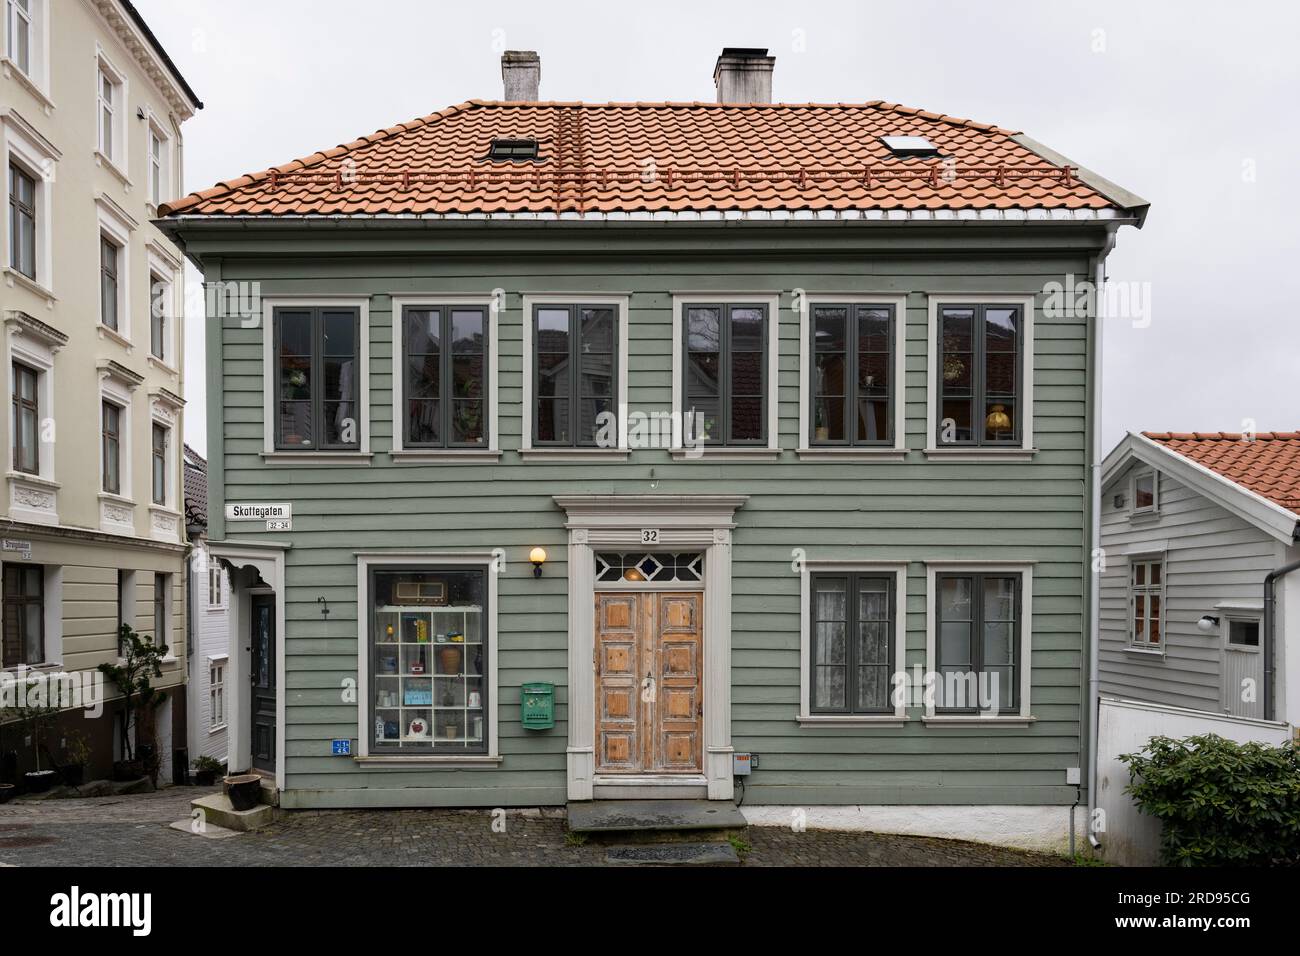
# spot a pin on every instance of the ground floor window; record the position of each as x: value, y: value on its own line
x: 24, y: 614
x: 429, y: 654
x: 978, y: 642
x: 217, y: 694
x: 852, y: 643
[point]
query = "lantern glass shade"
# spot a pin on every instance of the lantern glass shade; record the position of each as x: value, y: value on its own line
x: 537, y: 556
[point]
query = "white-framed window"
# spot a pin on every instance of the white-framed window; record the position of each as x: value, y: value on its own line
x: 1146, y: 592
x: 159, y: 466
x: 445, y: 398
x: 1144, y: 491
x: 852, y: 363
x: 32, y: 632
x: 113, y: 245
x: 216, y: 596
x: 160, y: 316
x: 164, y: 464
x: 18, y: 43
x: 978, y: 641
x: 162, y: 611
x: 164, y: 308
x: 852, y: 642
x: 32, y: 347
x: 725, y: 363
x: 125, y: 604
x: 114, y: 434
x: 111, y: 113
x: 427, y: 657
x: 316, y: 382
x: 158, y: 159
x: 114, y: 412
x: 216, y: 694
x: 26, y: 46
x: 30, y: 162
x: 557, y: 425
x: 980, y: 381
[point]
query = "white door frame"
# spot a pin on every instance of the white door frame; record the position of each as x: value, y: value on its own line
x: 684, y: 522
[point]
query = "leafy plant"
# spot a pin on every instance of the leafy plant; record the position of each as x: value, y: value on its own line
x: 739, y: 844
x: 76, y: 748
x: 205, y: 764
x: 39, y: 715
x: 1221, y: 803
x: 572, y: 838
x: 141, y: 662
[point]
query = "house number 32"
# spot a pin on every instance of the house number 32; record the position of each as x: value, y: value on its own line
x: 649, y: 535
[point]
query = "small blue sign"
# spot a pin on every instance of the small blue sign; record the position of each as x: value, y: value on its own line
x: 341, y: 748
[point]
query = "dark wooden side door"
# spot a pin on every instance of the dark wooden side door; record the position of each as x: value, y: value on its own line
x: 649, y: 706
x: 264, y: 689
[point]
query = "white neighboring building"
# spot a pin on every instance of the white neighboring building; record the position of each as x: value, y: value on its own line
x: 208, y: 623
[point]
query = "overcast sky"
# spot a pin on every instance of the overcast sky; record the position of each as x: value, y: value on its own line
x: 1190, y: 105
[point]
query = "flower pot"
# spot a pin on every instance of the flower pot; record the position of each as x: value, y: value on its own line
x: 6, y: 791
x: 245, y: 790
x: 40, y: 781
x: 205, y: 778
x: 449, y: 659
x: 74, y: 774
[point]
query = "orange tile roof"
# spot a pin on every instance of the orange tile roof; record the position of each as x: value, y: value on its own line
x: 1267, y: 464
x: 654, y: 157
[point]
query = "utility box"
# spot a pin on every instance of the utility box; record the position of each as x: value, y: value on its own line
x: 537, y: 706
x: 741, y: 764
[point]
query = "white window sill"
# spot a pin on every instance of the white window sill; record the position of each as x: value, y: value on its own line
x: 316, y: 458
x: 31, y: 479
x: 12, y: 71
x: 976, y: 453
x: 850, y: 720
x: 158, y: 363
x: 217, y: 728
x: 1153, y: 651
x: 107, y: 163
x: 443, y: 456
x: 395, y: 760
x: 114, y: 336
x: 573, y: 454
x: 975, y: 720
x: 117, y: 499
x: 723, y: 453
x: 14, y: 277
x: 852, y: 454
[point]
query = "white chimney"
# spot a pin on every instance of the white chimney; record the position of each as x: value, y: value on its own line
x: 744, y: 75
x: 522, y: 72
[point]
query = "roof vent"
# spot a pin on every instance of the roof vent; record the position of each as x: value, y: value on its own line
x: 910, y: 146
x: 512, y: 150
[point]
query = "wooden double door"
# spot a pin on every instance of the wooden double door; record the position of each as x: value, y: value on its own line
x: 649, y: 693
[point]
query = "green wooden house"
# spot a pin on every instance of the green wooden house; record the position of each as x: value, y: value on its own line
x: 745, y: 427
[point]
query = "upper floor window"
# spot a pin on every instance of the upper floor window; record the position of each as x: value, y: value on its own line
x: 160, y: 297
x: 24, y: 615
x: 1146, y: 595
x: 980, y: 375
x: 317, y: 374
x: 1146, y: 491
x: 22, y: 221
x: 575, y: 375
x: 111, y: 454
x: 214, y: 583
x: 110, y: 255
x: 157, y: 166
x: 725, y: 384
x: 852, y: 376
x: 162, y: 606
x: 109, y: 90
x: 19, y: 47
x: 26, y: 440
x: 445, y: 377
x: 158, y: 460
x: 978, y: 642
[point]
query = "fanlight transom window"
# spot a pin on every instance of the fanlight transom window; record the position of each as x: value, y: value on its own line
x: 637, y: 567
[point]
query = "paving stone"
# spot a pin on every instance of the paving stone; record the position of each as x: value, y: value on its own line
x: 673, y: 854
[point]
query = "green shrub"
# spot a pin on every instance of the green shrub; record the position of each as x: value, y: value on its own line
x: 1221, y: 803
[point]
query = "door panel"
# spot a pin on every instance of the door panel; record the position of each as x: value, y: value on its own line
x: 263, y: 694
x: 648, y: 683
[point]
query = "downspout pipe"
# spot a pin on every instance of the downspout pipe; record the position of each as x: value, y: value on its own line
x: 1094, y: 537
x: 1270, y: 624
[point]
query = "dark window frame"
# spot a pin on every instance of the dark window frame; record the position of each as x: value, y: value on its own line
x: 852, y: 583
x: 110, y: 267
x: 162, y: 583
x: 18, y: 211
x: 977, y: 622
x: 979, y: 392
x: 15, y: 603
x: 574, y: 396
x: 446, y: 401
x: 316, y: 399
x: 852, y: 354
x: 158, y: 463
x: 724, y: 440
x: 110, y: 436
x: 517, y: 149
x: 23, y: 405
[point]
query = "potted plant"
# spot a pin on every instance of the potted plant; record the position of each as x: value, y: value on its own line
x: 40, y: 715
x: 140, y: 663
x: 206, y: 769
x: 76, y: 752
x: 244, y: 790
x: 8, y: 761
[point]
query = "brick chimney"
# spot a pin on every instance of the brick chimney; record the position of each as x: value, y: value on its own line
x: 744, y: 75
x: 522, y: 72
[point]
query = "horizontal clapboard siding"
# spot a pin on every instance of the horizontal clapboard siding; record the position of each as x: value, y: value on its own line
x: 915, y: 510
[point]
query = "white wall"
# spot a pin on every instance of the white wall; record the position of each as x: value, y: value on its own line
x: 211, y: 639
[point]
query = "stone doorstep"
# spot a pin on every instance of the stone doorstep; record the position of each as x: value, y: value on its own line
x: 218, y: 810
x: 673, y: 854
x: 656, y: 821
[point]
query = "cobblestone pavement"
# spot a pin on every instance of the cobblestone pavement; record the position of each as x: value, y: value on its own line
x: 135, y: 831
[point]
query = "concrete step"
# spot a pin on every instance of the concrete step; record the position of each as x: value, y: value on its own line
x: 656, y: 821
x: 673, y: 854
x: 218, y: 811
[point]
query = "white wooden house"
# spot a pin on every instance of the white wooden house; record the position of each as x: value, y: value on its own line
x: 208, y: 625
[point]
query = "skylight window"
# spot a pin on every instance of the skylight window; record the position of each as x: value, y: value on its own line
x: 513, y: 150
x: 910, y: 146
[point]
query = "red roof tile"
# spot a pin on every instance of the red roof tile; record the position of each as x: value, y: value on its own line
x: 651, y: 157
x: 1267, y: 463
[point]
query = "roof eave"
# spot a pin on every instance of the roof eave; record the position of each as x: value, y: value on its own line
x: 1117, y: 194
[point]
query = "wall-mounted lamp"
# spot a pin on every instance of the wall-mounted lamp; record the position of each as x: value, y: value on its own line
x: 1118, y: 501
x: 1208, y: 624
x: 139, y: 112
x: 538, y: 557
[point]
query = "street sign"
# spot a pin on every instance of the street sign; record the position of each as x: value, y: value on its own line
x: 261, y: 511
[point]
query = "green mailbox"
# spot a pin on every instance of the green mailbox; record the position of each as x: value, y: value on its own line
x: 537, y: 706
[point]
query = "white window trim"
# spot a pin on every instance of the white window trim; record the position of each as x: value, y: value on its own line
x: 1138, y: 472
x: 37, y: 77
x: 1026, y: 571
x: 1132, y: 644
x: 899, y: 571
x: 368, y: 560
x: 155, y: 128
x: 115, y: 160
x: 621, y: 303
x: 866, y: 453
x: 406, y: 455
x: 213, y: 566
x: 117, y: 511
x: 167, y: 272
x: 1026, y: 450
x: 26, y: 148
x: 116, y: 225
x: 773, y: 302
x: 37, y: 351
x: 222, y: 661
x: 164, y: 410
x: 168, y: 610
x: 269, y: 401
